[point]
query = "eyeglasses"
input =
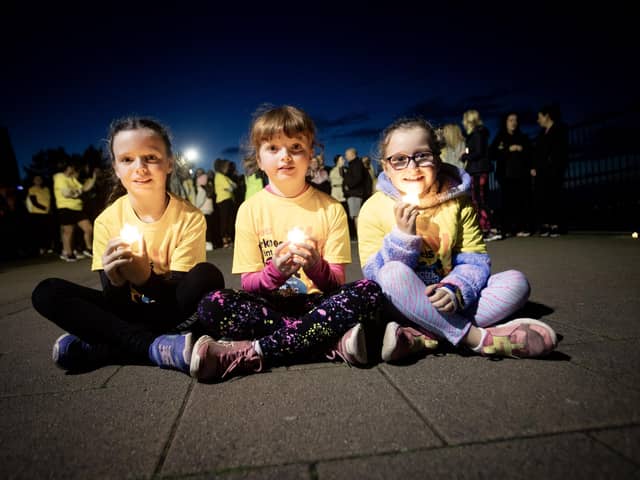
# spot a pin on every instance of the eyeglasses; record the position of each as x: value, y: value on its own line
x: 400, y: 161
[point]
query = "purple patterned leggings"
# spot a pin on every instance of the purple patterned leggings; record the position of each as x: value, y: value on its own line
x: 505, y: 293
x: 289, y: 327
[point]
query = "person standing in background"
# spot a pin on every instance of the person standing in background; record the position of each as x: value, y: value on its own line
x: 354, y: 177
x: 39, y: 208
x: 454, y: 145
x: 511, y: 150
x: 550, y: 160
x: 68, y: 191
x: 253, y: 177
x: 476, y: 159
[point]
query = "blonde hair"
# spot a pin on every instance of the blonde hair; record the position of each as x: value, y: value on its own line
x: 269, y: 121
x: 471, y: 119
x: 452, y: 135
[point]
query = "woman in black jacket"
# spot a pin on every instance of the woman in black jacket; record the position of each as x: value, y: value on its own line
x: 511, y: 149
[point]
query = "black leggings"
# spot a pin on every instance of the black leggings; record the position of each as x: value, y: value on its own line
x: 131, y: 327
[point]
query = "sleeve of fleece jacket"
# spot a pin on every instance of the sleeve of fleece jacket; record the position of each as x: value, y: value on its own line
x: 396, y: 246
x: 470, y: 261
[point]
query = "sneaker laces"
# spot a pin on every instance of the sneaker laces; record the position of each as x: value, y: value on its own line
x: 243, y: 361
x: 166, y: 354
x: 337, y: 353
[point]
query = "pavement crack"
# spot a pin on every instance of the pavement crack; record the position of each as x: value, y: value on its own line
x: 414, y: 407
x: 174, y: 429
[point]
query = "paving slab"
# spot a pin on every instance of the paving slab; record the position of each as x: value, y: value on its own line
x: 294, y: 416
x: 624, y: 440
x: 98, y: 433
x: 473, y: 399
x: 561, y: 457
x: 617, y: 361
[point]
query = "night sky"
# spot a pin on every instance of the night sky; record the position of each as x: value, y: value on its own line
x: 203, y: 72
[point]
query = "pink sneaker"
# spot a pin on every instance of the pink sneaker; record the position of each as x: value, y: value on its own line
x: 352, y: 347
x: 523, y: 337
x: 400, y: 343
x: 214, y: 360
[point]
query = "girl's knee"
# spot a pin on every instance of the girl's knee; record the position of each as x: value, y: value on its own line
x: 208, y: 274
x: 44, y: 296
x: 517, y: 283
x: 390, y: 272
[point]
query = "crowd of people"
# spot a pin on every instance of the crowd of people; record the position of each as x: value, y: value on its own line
x: 427, y: 277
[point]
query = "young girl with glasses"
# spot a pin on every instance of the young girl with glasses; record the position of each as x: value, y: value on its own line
x: 419, y: 239
x: 291, y: 246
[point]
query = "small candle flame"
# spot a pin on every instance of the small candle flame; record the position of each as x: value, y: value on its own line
x: 131, y: 235
x: 411, y: 198
x: 634, y: 235
x: 296, y: 236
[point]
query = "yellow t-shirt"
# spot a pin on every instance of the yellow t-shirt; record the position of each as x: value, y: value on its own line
x: 69, y: 184
x: 175, y: 242
x: 43, y: 196
x: 447, y: 228
x: 265, y: 219
x: 223, y: 186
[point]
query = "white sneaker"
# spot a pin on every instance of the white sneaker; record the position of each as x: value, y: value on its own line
x: 490, y: 237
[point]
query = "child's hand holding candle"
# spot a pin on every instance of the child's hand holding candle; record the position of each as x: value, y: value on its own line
x: 131, y: 235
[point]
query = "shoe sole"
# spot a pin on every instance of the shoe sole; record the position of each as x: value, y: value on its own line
x: 187, y: 353
x: 194, y: 366
x: 389, y: 341
x: 533, y: 321
x: 356, y: 346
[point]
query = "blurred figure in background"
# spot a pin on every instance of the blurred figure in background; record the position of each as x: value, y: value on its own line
x: 68, y: 190
x: 39, y: 208
x: 476, y: 159
x: 253, y: 177
x: 550, y: 160
x: 318, y: 175
x: 454, y: 145
x: 511, y: 150
x: 224, y: 200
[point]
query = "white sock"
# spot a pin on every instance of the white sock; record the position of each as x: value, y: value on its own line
x: 478, y: 347
x: 256, y: 347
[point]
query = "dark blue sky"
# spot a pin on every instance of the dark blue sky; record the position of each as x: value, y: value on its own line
x: 203, y: 73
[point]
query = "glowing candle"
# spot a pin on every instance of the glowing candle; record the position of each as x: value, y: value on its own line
x: 130, y: 234
x: 296, y: 235
x: 634, y: 235
x: 411, y: 198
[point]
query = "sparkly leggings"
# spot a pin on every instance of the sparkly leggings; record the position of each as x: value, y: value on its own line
x: 505, y: 293
x: 288, y: 328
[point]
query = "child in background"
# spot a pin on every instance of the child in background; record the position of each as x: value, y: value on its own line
x: 149, y: 284
x: 294, y: 303
x: 419, y: 238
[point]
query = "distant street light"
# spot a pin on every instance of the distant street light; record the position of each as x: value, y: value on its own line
x: 191, y: 154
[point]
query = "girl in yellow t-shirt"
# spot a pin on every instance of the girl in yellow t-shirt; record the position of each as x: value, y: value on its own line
x: 149, y: 249
x: 419, y: 238
x: 291, y: 245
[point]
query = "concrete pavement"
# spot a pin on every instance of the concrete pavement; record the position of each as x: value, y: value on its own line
x: 573, y: 415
